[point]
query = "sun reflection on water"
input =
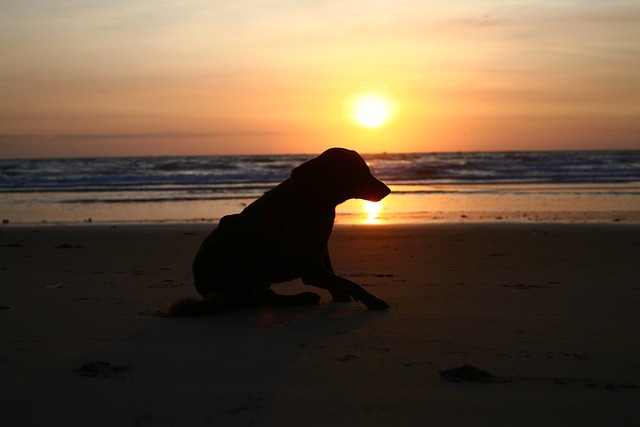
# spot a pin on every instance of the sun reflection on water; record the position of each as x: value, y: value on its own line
x: 372, y: 211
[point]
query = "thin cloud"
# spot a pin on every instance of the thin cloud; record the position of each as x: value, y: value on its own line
x: 137, y: 136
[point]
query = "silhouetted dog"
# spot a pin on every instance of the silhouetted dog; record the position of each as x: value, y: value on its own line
x: 283, y: 236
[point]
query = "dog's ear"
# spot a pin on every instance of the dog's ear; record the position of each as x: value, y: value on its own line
x: 310, y: 179
x: 321, y: 178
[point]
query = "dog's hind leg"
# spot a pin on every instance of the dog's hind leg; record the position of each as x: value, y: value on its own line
x: 269, y: 297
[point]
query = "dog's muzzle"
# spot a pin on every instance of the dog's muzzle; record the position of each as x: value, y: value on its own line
x: 377, y: 190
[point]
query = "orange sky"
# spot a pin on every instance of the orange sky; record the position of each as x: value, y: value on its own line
x: 142, y: 77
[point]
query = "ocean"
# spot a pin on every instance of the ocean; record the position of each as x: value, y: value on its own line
x: 521, y: 186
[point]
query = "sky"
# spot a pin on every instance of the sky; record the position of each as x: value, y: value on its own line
x: 197, y: 77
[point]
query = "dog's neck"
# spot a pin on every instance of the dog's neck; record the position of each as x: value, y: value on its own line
x: 321, y: 201
x: 274, y: 208
x: 328, y: 217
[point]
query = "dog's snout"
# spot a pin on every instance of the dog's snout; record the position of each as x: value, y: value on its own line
x: 386, y: 190
x: 378, y: 190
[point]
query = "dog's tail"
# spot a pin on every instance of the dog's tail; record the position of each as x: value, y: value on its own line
x: 211, y: 304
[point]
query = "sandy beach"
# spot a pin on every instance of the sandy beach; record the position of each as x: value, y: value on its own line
x: 550, y: 313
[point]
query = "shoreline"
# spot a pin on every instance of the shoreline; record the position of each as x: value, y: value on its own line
x: 435, y: 217
x: 417, y: 204
x: 549, y: 310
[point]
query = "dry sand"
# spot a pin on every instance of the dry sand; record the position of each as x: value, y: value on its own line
x: 551, y: 312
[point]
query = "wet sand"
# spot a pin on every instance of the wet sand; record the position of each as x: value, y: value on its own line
x: 550, y: 311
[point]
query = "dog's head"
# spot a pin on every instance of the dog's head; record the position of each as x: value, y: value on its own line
x: 338, y: 175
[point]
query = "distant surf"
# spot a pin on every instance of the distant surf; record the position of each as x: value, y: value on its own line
x: 33, y: 190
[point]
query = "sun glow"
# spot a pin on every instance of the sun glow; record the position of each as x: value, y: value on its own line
x: 371, y: 110
x: 372, y: 211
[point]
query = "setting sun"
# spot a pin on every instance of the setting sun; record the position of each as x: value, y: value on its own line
x: 371, y: 110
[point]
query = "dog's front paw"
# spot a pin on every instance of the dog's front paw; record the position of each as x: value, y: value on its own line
x: 375, y: 303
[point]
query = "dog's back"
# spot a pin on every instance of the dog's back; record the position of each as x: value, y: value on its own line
x: 274, y: 208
